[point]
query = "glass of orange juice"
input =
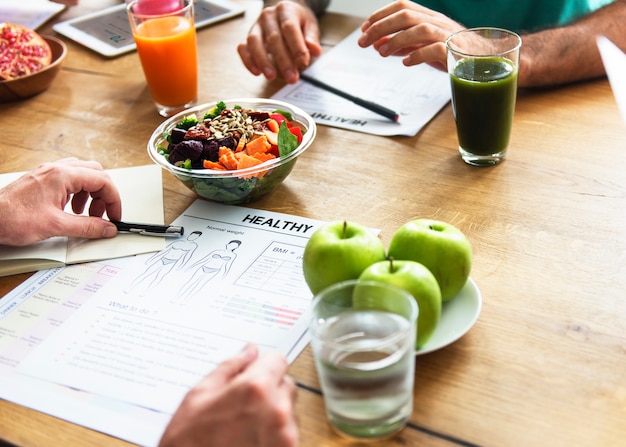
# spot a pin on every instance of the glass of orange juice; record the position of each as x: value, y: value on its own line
x: 165, y: 35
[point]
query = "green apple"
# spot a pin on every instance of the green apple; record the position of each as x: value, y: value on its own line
x: 419, y: 282
x: 338, y: 251
x: 440, y: 246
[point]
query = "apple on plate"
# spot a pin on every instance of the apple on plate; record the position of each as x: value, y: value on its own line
x: 419, y: 282
x: 440, y: 246
x: 338, y: 251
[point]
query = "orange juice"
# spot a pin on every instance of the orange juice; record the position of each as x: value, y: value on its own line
x: 167, y: 49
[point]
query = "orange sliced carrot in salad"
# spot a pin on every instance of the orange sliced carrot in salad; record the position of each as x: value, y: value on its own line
x: 241, y: 144
x: 247, y: 161
x: 216, y: 166
x: 227, y: 158
x: 259, y: 144
x: 264, y: 157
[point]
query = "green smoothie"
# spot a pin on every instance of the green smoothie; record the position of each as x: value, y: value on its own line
x: 483, y: 98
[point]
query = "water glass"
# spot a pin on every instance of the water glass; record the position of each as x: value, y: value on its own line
x: 363, y: 342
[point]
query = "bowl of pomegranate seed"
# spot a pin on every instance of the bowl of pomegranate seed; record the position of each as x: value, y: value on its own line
x: 29, y: 62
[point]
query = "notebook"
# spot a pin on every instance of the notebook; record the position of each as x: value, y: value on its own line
x: 142, y: 201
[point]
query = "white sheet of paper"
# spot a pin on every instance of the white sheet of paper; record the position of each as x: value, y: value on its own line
x: 416, y: 93
x: 32, y: 312
x: 101, y: 337
x: 29, y: 13
x: 614, y: 61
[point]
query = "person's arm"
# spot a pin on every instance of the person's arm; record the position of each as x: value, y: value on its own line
x: 550, y: 57
x: 317, y: 6
x: 284, y: 40
x: 247, y: 401
x: 32, y: 207
x: 570, y: 53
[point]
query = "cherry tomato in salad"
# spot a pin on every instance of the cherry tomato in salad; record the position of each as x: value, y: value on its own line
x: 296, y: 131
x: 278, y: 118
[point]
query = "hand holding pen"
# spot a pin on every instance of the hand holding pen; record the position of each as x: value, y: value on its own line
x: 30, y: 204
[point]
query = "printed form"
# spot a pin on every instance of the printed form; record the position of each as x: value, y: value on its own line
x: 129, y: 337
x: 416, y: 93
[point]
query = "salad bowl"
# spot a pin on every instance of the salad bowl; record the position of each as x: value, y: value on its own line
x: 232, y: 186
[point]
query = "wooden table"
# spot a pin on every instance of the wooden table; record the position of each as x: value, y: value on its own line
x: 546, y: 362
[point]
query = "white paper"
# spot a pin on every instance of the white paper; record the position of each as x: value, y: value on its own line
x: 615, y: 65
x: 416, y: 93
x: 29, y: 13
x: 35, y: 310
x: 141, y: 345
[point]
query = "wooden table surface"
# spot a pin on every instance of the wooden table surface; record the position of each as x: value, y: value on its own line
x: 545, y: 365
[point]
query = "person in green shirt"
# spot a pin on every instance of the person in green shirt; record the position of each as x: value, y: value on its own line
x: 558, y: 36
x: 520, y: 16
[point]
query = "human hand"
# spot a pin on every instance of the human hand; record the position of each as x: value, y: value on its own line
x: 284, y: 41
x: 32, y: 207
x: 247, y: 401
x: 404, y: 28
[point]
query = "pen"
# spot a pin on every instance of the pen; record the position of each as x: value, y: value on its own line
x: 369, y: 105
x: 148, y: 229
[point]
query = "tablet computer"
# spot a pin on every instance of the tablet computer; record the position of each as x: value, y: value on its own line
x: 108, y: 31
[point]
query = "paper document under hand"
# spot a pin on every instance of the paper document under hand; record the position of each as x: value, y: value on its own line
x: 615, y: 65
x: 416, y: 93
x: 127, y: 338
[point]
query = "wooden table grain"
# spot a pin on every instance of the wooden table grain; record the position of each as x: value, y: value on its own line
x: 545, y: 364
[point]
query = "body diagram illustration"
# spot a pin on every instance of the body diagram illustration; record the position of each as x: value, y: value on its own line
x: 174, y: 257
x: 213, y: 266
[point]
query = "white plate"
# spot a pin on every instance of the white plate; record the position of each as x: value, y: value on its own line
x: 457, y: 317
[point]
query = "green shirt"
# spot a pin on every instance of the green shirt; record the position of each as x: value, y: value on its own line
x: 516, y: 15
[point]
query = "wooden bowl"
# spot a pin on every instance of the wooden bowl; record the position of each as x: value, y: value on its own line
x: 35, y: 83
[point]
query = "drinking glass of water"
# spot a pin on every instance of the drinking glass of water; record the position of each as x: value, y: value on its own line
x: 363, y: 341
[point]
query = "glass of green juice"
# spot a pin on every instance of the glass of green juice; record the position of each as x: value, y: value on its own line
x: 483, y: 65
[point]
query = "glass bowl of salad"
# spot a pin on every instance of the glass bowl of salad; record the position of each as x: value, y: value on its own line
x: 233, y: 151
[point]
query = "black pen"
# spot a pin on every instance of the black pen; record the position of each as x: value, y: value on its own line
x: 148, y: 229
x: 369, y: 105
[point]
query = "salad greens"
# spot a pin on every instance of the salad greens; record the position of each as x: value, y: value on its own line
x: 219, y: 142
